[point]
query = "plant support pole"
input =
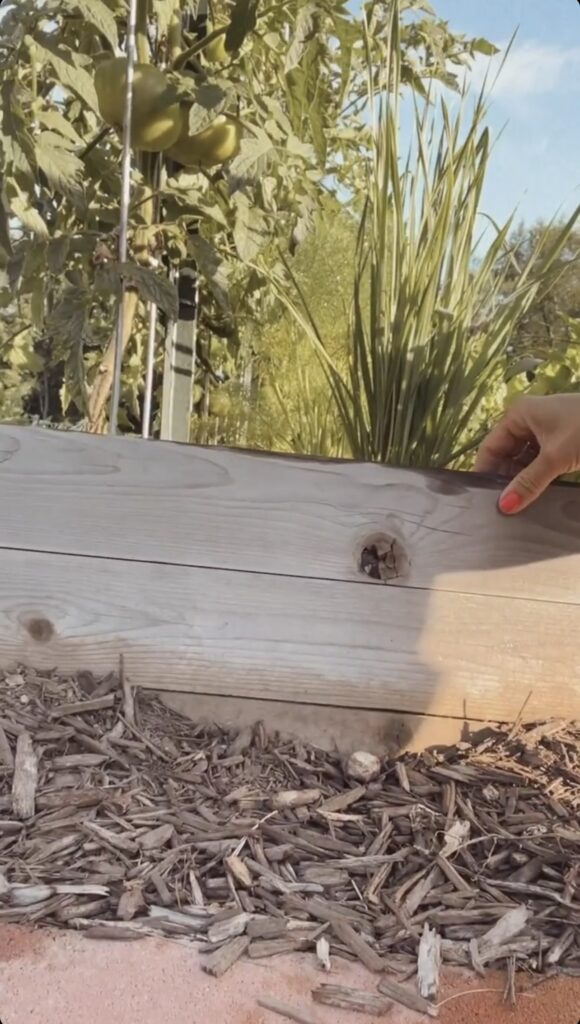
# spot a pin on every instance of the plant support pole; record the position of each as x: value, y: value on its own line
x: 180, y: 362
x: 125, y: 202
x: 152, y: 335
x: 148, y: 396
x: 181, y: 342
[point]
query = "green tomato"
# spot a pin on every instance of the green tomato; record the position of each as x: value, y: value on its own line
x: 215, y: 145
x: 157, y: 121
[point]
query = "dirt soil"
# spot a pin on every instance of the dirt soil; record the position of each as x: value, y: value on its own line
x: 55, y: 977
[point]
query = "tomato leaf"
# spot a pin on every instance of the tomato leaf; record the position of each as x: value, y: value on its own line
x: 54, y: 121
x: 253, y: 160
x: 97, y: 14
x: 151, y: 286
x: 304, y: 32
x: 212, y: 268
x: 251, y: 231
x: 62, y: 168
x: 210, y: 100
x: 70, y: 74
x: 57, y: 252
x: 22, y: 209
x: 68, y: 319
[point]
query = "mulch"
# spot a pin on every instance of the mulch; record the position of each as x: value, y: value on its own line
x: 121, y: 818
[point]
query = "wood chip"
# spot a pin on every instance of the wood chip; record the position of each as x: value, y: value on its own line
x: 25, y: 778
x: 407, y: 997
x: 131, y: 901
x: 120, y: 934
x: 222, y: 959
x: 187, y: 923
x: 342, y: 800
x: 79, y: 761
x: 156, y: 838
x: 501, y: 934
x: 238, y: 870
x: 261, y: 948
x: 161, y: 887
x: 228, y: 929
x: 356, y: 1000
x: 114, y: 839
x: 323, y: 953
x: 325, y: 876
x: 429, y: 963
x: 453, y: 875
x: 267, y: 927
x: 455, y: 837
x: 83, y: 706
x: 292, y: 798
x: 86, y: 908
x: 27, y: 895
x: 128, y: 695
x: 6, y: 756
x: 357, y: 945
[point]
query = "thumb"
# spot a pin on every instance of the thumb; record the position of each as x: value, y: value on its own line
x: 528, y: 485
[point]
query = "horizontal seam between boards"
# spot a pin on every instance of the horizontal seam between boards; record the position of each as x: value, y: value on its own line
x: 336, y: 707
x: 125, y: 560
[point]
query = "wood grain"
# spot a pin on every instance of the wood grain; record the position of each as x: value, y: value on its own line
x: 162, y: 502
x: 308, y: 641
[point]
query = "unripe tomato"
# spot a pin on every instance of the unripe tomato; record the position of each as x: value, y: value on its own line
x: 157, y: 120
x: 215, y: 145
x: 219, y: 404
x: 157, y: 133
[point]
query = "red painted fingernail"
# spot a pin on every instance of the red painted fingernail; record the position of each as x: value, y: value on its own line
x: 510, y: 503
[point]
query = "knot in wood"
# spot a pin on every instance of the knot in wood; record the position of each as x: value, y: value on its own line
x: 383, y: 559
x: 40, y: 630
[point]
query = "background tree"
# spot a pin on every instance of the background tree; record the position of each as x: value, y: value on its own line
x: 295, y: 76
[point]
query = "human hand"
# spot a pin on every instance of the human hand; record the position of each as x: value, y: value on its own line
x: 537, y: 441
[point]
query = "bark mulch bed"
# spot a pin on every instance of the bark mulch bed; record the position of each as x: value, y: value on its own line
x: 121, y: 818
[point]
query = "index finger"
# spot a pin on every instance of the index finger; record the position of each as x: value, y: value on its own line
x: 503, y: 443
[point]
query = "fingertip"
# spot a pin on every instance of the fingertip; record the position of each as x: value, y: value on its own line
x: 510, y: 503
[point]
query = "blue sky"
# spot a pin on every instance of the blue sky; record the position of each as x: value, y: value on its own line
x: 536, y: 162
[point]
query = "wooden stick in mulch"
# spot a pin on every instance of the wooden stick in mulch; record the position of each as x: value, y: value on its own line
x: 357, y: 1000
x: 128, y: 695
x: 225, y: 957
x: 406, y: 997
x: 6, y: 757
x: 347, y: 935
x: 429, y: 963
x: 101, y: 931
x: 25, y: 778
x: 357, y: 945
x: 81, y: 707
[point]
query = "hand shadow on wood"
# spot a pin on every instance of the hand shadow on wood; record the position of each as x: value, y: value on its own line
x: 490, y: 604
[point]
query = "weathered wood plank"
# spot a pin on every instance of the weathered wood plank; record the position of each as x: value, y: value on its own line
x: 172, y: 503
x: 307, y: 641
